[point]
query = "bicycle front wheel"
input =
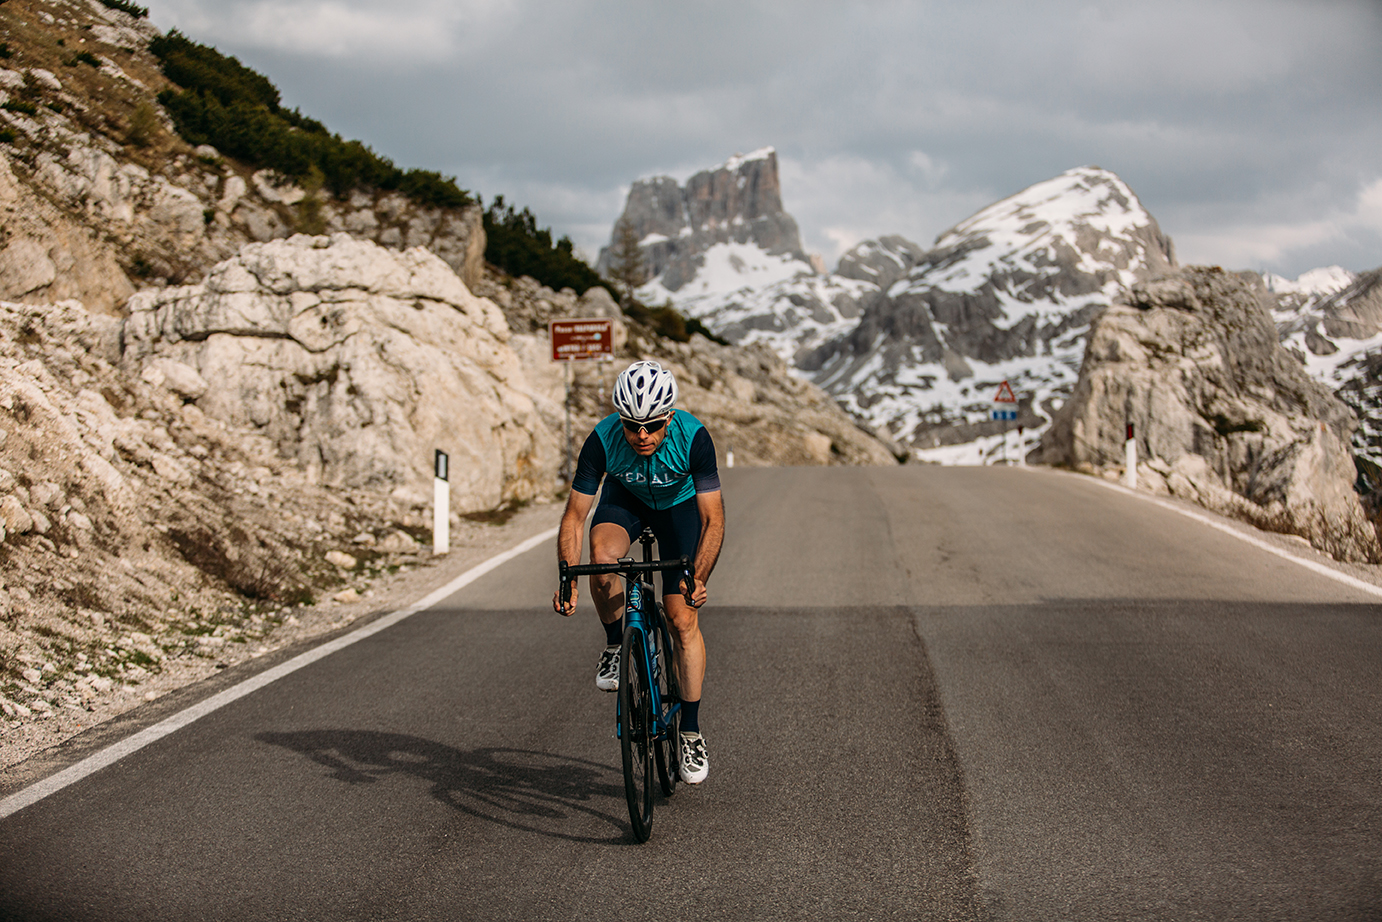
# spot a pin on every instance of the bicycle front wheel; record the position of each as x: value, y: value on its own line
x: 636, y: 731
x: 667, y: 750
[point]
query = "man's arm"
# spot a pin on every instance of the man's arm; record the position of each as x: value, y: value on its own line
x: 711, y: 507
x: 569, y: 542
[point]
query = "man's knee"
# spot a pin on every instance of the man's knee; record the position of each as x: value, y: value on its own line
x: 607, y: 544
x: 684, y: 619
x: 604, y: 583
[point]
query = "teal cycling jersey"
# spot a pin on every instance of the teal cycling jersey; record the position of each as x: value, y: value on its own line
x: 682, y: 466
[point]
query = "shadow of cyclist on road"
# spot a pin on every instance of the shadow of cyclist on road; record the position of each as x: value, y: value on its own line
x: 511, y: 787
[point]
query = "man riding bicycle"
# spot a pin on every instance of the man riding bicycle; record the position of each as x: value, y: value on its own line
x: 663, y: 475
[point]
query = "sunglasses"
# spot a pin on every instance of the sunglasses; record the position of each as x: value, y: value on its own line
x: 650, y: 426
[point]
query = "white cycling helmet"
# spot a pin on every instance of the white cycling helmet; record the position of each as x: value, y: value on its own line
x: 644, y: 390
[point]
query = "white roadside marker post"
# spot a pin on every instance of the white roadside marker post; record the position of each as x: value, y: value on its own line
x: 1130, y: 461
x: 441, y: 505
x: 729, y: 457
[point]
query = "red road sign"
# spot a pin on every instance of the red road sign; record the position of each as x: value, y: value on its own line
x: 1005, y: 394
x: 581, y: 340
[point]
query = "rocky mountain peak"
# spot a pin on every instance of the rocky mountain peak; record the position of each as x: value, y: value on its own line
x: 1068, y: 235
x: 735, y: 205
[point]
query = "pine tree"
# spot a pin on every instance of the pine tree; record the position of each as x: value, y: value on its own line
x: 627, y: 270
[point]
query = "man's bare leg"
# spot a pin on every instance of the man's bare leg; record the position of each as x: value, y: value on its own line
x: 685, y: 624
x: 608, y: 542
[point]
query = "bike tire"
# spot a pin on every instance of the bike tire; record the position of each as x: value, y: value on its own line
x: 635, y: 731
x: 667, y: 751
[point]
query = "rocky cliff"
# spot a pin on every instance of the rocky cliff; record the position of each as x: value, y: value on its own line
x: 139, y: 535
x: 723, y: 250
x: 1223, y: 415
x: 358, y: 362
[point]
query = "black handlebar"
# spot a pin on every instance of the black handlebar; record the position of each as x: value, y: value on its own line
x: 627, y: 566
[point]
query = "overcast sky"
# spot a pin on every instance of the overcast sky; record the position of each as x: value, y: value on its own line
x: 1251, y: 129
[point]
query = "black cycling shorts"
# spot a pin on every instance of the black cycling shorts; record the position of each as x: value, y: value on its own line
x: 677, y: 528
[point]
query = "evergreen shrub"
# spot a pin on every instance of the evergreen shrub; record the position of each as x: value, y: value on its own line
x: 236, y: 110
x: 138, y: 12
x: 517, y: 245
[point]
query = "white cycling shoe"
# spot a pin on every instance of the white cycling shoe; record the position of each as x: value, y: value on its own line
x: 695, y: 764
x: 607, y: 673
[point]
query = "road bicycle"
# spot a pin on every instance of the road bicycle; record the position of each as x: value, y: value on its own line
x: 648, y: 708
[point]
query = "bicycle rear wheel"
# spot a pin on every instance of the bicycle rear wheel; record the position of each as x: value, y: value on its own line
x: 667, y: 750
x: 636, y: 731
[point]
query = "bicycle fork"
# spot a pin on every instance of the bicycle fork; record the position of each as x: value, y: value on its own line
x: 634, y: 617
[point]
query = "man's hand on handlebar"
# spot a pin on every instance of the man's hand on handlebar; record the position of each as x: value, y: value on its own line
x: 570, y: 608
x: 696, y: 596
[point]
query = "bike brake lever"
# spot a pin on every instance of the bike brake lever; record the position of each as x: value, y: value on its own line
x: 689, y: 576
x: 565, y: 585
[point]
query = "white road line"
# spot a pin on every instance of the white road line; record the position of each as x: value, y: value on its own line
x: 111, y: 754
x: 1350, y: 581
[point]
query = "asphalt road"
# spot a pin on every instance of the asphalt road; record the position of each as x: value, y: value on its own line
x: 934, y: 693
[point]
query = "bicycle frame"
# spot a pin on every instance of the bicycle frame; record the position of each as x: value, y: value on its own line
x: 636, y: 614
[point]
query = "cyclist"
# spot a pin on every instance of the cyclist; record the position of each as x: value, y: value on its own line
x: 662, y: 473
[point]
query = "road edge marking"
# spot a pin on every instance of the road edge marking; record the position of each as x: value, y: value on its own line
x: 131, y: 744
x: 1350, y: 581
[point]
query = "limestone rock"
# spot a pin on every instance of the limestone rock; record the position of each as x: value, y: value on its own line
x: 86, y: 210
x: 1194, y: 364
x: 17, y: 520
x: 181, y: 379
x: 359, y: 362
x: 1356, y: 312
x: 341, y: 559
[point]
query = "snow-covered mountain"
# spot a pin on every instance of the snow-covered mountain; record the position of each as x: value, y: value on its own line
x: 1005, y: 295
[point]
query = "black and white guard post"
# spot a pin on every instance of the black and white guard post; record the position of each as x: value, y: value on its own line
x: 441, y: 505
x: 1130, y: 461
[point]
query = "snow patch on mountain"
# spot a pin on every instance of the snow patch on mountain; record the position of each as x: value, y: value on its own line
x: 749, y: 296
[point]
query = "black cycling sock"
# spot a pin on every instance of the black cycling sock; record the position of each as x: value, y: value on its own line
x: 614, y: 633
x: 690, y: 717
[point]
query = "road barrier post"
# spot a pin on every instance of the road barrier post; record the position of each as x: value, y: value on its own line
x: 1130, y: 461
x: 441, y: 505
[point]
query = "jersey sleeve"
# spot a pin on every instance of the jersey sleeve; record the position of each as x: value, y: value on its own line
x: 705, y: 474
x: 590, y: 466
